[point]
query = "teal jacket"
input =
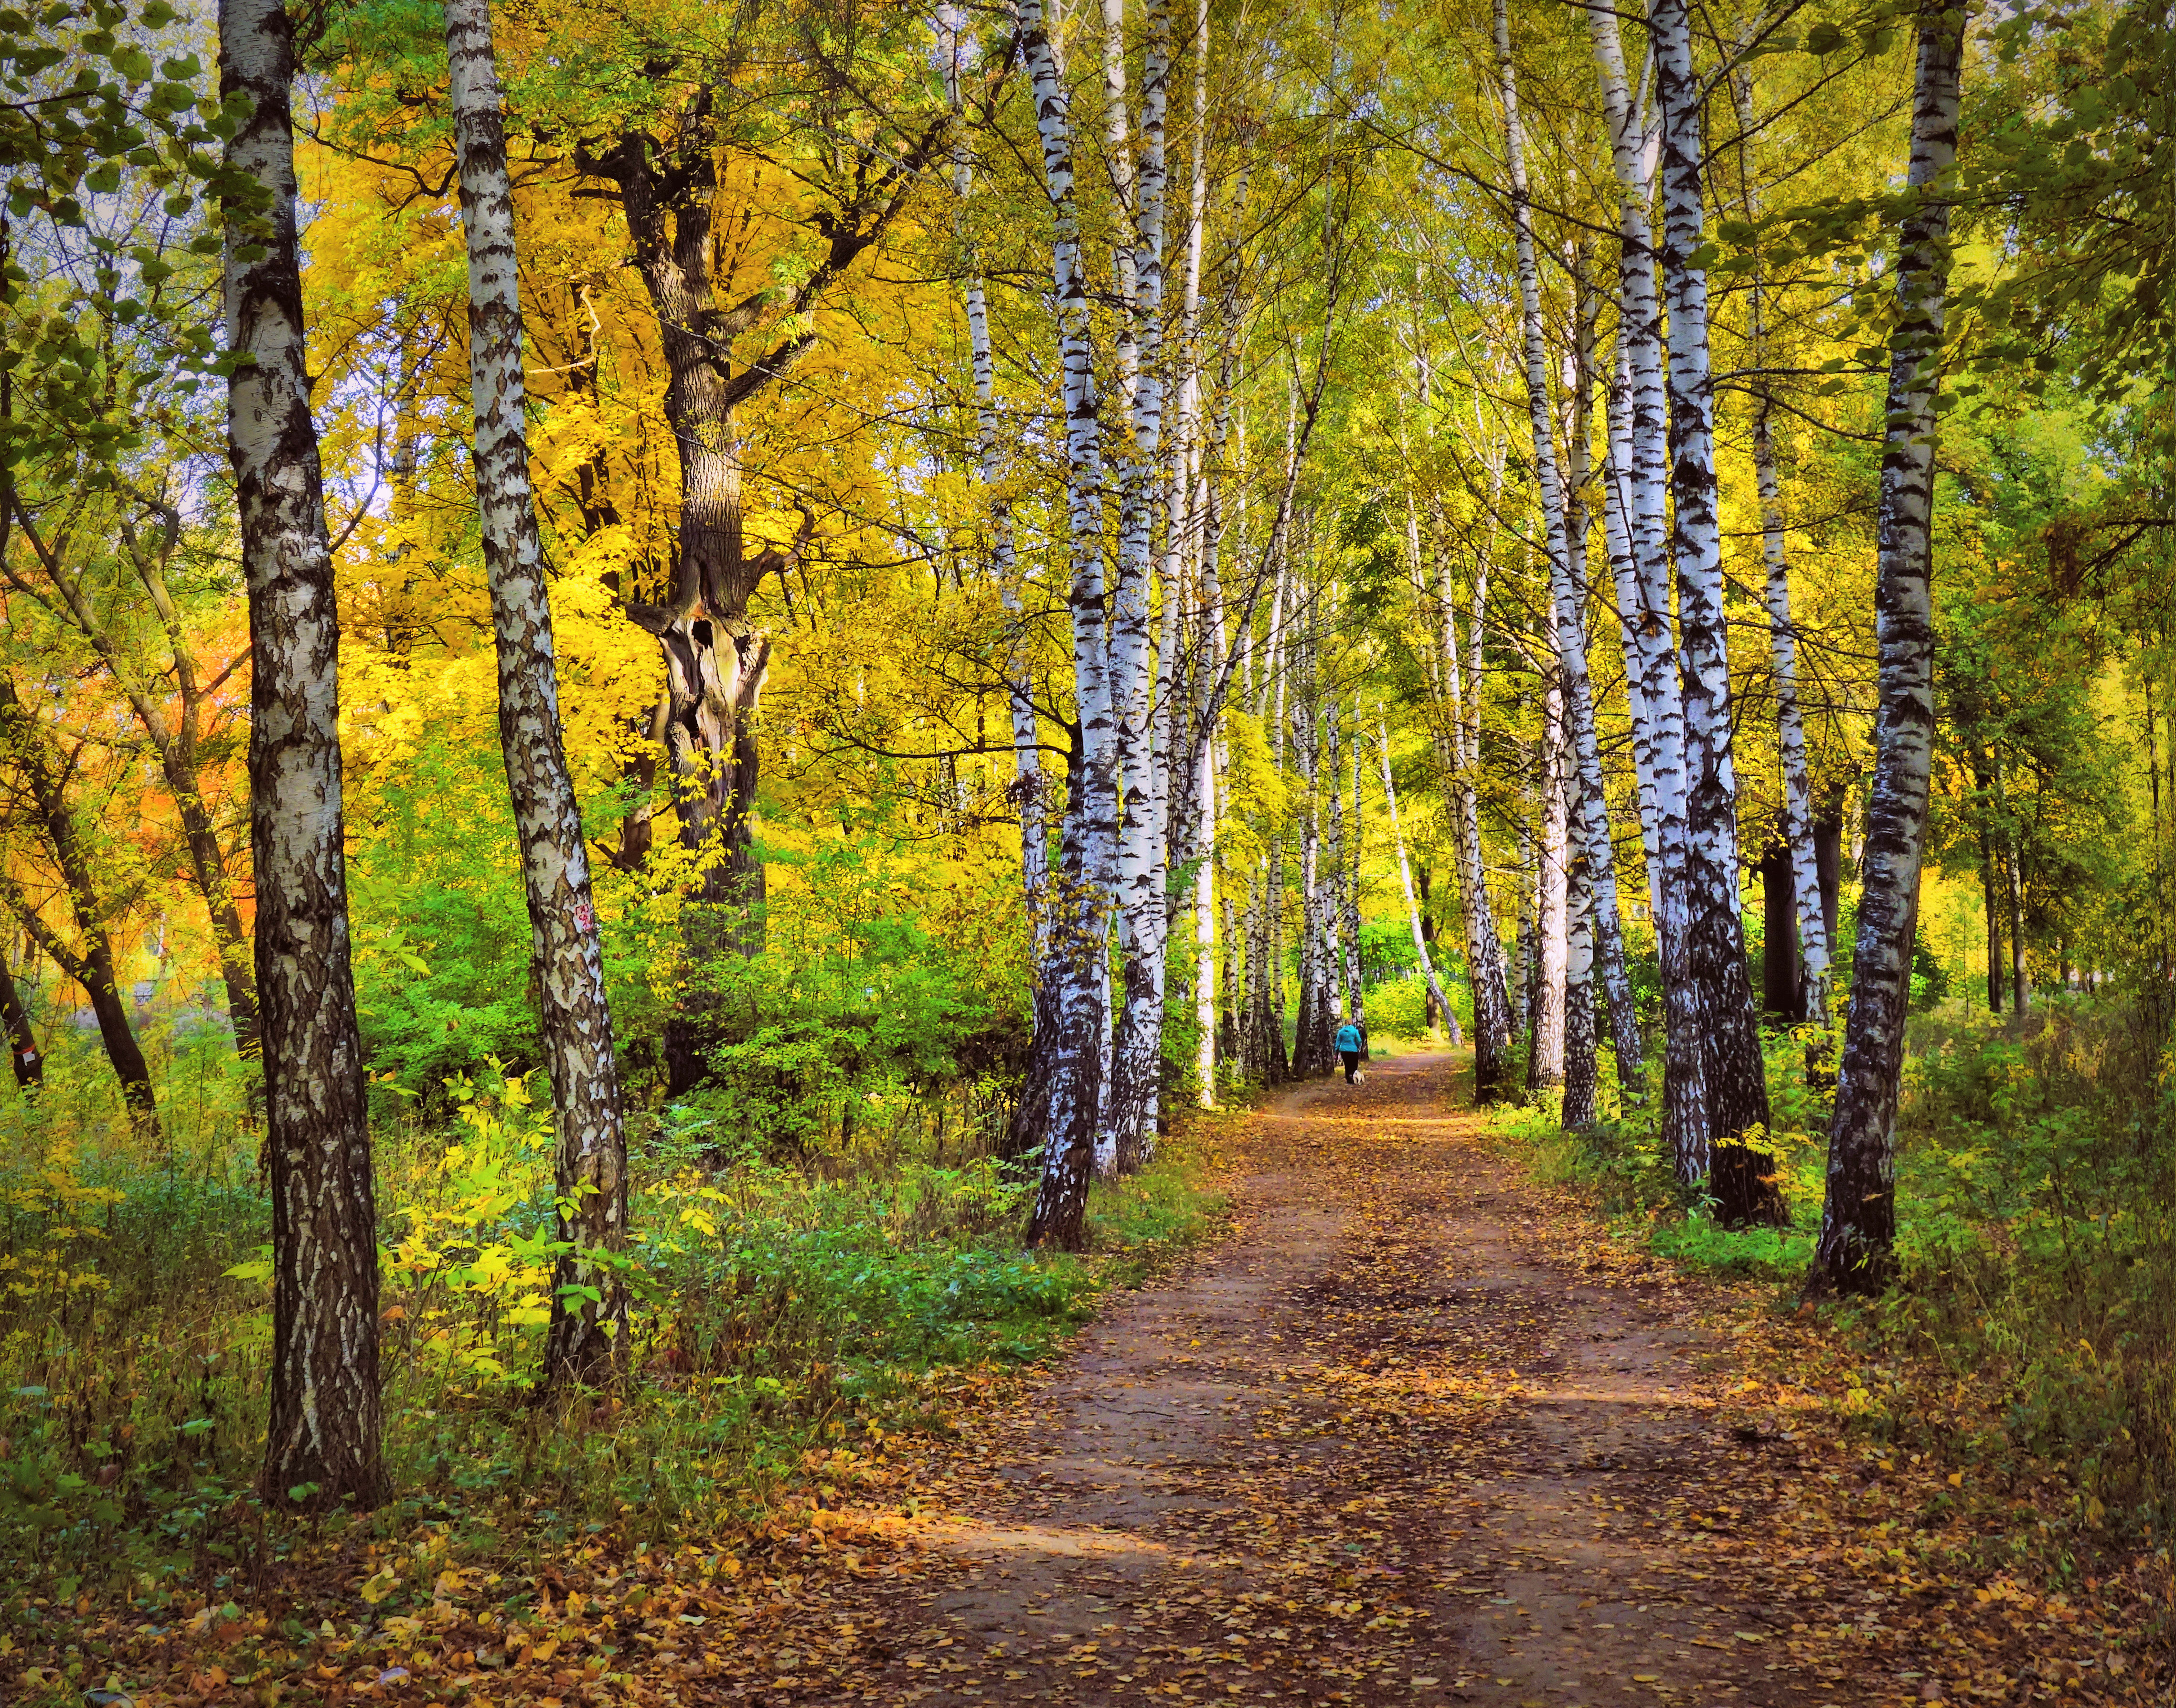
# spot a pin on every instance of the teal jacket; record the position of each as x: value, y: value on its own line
x: 1348, y: 1036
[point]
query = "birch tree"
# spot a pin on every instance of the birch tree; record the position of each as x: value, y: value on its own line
x: 322, y: 1441
x: 1782, y: 636
x: 1857, y: 1250
x: 1638, y: 497
x: 1137, y: 1059
x: 587, y: 1339
x: 1413, y: 907
x: 1740, y: 1178
x: 1062, y: 1098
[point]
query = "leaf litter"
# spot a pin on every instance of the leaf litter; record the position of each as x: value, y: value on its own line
x: 1416, y: 1431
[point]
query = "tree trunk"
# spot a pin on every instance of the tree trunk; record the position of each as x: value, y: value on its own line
x: 90, y: 962
x: 1437, y: 999
x: 30, y: 1063
x: 1988, y: 871
x: 1137, y: 1058
x: 1639, y: 437
x: 1484, y: 948
x: 1065, y: 1088
x: 1582, y: 1070
x: 587, y: 1340
x: 1545, y: 1065
x: 322, y: 1430
x: 1028, y: 791
x: 1741, y: 1180
x: 2020, y: 990
x: 1782, y: 992
x: 1810, y: 1003
x: 1857, y: 1250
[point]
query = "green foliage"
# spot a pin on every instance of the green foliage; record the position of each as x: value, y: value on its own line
x: 779, y: 1308
x: 2037, y: 1212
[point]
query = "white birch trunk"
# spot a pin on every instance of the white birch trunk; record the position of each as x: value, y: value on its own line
x: 1639, y: 452
x: 1029, y: 789
x: 1857, y: 1250
x: 1064, y: 1092
x: 322, y: 1446
x: 1130, y: 1111
x: 1545, y: 1066
x: 587, y: 1340
x: 1735, y: 1082
x: 1783, y: 644
x: 1412, y: 904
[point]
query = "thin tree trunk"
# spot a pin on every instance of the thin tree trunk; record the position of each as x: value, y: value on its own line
x: 586, y: 1342
x: 1741, y: 1180
x: 1355, y: 972
x: 321, y: 1444
x: 1857, y: 1250
x: 1436, y: 995
x: 1811, y: 1004
x: 1545, y: 1066
x: 91, y: 961
x: 1064, y: 1093
x: 1987, y: 881
x: 1589, y: 804
x: 2020, y: 990
x: 1582, y: 1070
x: 28, y: 1061
x: 1028, y: 791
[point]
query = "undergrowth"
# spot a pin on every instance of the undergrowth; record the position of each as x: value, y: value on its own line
x: 822, y: 1304
x: 2031, y: 1329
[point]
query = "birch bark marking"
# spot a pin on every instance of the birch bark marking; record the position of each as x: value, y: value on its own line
x: 1060, y: 1102
x: 1028, y: 789
x: 1639, y: 452
x: 1545, y: 1065
x: 587, y: 1340
x: 1137, y: 1056
x: 1857, y: 1250
x: 1783, y: 639
x: 1741, y: 1180
x: 1355, y: 973
x: 1413, y: 907
x: 322, y: 1441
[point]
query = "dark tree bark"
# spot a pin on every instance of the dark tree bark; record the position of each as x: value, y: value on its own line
x: 715, y: 659
x: 1780, y: 990
x: 322, y: 1446
x: 587, y: 1340
x: 1988, y: 871
x: 89, y: 960
x: 30, y: 1062
x: 1857, y: 1250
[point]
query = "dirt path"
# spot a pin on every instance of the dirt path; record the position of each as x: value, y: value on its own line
x: 1377, y: 1447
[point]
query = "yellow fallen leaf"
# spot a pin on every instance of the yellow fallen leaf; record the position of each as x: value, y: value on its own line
x: 376, y: 1588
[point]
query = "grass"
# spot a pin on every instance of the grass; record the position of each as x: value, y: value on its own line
x: 782, y: 1310
x: 2037, y: 1244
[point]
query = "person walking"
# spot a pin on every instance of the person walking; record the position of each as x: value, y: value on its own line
x: 1348, y: 1051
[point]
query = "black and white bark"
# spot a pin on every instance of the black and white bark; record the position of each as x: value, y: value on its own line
x: 1137, y: 1054
x: 323, y: 1430
x: 1741, y: 1178
x: 1811, y: 1003
x: 1639, y: 435
x: 1062, y: 1101
x: 1857, y: 1249
x: 586, y: 1342
x: 1436, y: 993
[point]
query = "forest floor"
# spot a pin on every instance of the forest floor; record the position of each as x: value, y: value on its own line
x: 1415, y: 1430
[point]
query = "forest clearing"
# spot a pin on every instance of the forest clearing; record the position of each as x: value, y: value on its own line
x: 1177, y: 849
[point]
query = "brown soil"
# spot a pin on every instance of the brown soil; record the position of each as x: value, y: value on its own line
x: 1388, y: 1443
